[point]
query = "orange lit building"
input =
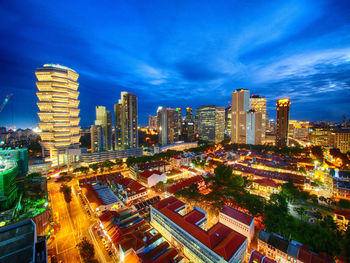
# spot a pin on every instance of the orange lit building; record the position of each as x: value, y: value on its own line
x: 58, y: 110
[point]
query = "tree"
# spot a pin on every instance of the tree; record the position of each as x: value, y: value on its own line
x: 343, y: 204
x: 119, y: 162
x: 300, y: 211
x: 67, y: 193
x: 317, y: 215
x: 86, y: 250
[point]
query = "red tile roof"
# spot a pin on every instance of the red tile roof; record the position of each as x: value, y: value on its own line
x: 257, y: 257
x: 194, y: 216
x: 179, y: 186
x: 220, y: 238
x: 238, y: 215
x: 146, y: 174
x: 267, y: 182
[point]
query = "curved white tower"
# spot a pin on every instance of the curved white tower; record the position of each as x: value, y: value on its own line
x: 59, y: 113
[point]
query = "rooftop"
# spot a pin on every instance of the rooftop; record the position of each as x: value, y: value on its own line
x: 238, y: 215
x: 221, y: 239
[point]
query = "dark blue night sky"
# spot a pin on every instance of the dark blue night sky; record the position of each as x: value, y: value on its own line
x: 179, y: 53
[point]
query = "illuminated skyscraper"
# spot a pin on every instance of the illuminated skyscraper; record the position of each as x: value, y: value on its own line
x: 152, y: 123
x: 228, y: 121
x: 178, y: 123
x: 101, y: 133
x: 188, y: 126
x: 162, y: 123
x: 59, y: 113
x: 240, y: 106
x: 211, y: 123
x: 283, y: 106
x: 125, y: 113
x: 167, y: 125
x: 219, y: 124
x: 258, y: 104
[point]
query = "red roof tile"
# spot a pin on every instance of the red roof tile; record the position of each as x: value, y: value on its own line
x: 220, y: 238
x: 194, y: 216
x: 238, y: 215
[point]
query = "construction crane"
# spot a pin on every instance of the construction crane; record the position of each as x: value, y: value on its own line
x: 2, y: 106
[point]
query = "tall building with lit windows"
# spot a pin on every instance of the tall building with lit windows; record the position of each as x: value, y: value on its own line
x: 58, y: 110
x: 283, y: 106
x: 240, y: 106
x: 125, y: 114
x: 258, y: 104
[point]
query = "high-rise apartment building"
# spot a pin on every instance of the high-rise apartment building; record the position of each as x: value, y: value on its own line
x: 239, y: 109
x: 101, y: 133
x: 342, y: 140
x: 97, y: 138
x: 178, y: 123
x: 219, y: 124
x: 59, y: 113
x: 168, y: 125
x: 258, y: 104
x: 162, y: 123
x: 228, y: 121
x: 125, y: 113
x: 152, y: 123
x: 283, y: 106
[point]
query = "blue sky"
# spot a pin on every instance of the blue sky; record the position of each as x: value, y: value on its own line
x: 179, y: 53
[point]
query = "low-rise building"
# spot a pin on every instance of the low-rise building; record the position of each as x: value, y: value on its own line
x: 101, y: 198
x: 281, y: 249
x: 134, y: 240
x: 161, y: 166
x: 151, y: 178
x: 256, y: 257
x: 187, y: 230
x: 128, y: 189
x: 178, y: 146
x: 238, y: 221
x: 96, y: 157
x: 266, y: 185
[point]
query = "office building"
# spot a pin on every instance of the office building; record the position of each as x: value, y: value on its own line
x: 298, y: 129
x: 271, y: 127
x: 206, y: 119
x: 187, y: 231
x: 188, y: 126
x: 240, y: 106
x: 321, y: 136
x: 125, y: 113
x: 152, y: 123
x: 258, y: 104
x: 101, y: 132
x: 19, y: 243
x: 59, y: 113
x: 219, y: 124
x: 342, y: 140
x: 283, y: 106
x: 228, y: 121
x: 189, y: 114
x: 250, y: 127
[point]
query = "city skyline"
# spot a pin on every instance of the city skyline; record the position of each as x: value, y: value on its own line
x: 301, y: 52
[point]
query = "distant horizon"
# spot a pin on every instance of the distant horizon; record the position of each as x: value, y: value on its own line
x: 178, y: 54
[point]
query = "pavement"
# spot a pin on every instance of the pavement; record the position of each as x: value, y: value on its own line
x: 72, y: 223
